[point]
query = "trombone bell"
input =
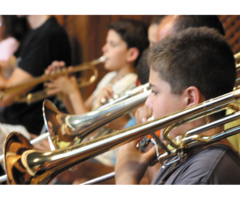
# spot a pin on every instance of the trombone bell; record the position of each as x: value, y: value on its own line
x: 15, y: 145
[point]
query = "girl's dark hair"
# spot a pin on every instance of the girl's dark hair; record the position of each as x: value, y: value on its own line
x: 143, y: 68
x: 14, y: 26
x: 183, y: 22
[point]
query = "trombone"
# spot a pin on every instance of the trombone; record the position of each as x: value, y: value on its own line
x: 235, y: 94
x: 188, y: 140
x: 33, y: 97
x: 24, y: 165
x: 88, y: 122
x: 72, y: 129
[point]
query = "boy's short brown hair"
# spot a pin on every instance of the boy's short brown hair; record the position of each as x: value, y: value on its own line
x: 199, y: 57
x: 133, y: 32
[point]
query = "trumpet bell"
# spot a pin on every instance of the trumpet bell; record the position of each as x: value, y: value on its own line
x: 14, y: 147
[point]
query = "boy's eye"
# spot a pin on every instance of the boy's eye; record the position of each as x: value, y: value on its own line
x: 113, y: 44
x: 154, y: 92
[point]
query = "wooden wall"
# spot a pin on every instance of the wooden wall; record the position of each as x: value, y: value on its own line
x: 87, y: 34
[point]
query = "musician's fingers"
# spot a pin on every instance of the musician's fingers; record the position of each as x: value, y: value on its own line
x: 108, y: 92
x: 70, y: 68
x: 151, y: 154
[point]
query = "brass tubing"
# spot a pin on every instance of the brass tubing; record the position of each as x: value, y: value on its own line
x: 32, y: 97
x: 42, y: 167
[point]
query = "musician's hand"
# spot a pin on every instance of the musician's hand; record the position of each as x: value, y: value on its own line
x: 55, y: 66
x: 65, y: 85
x: 131, y: 164
x: 105, y: 93
x: 142, y: 114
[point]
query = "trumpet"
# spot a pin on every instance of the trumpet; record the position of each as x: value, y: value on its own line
x: 24, y: 165
x: 33, y: 97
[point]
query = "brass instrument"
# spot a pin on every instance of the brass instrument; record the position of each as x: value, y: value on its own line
x: 24, y: 165
x: 33, y: 97
x: 70, y: 131
x: 40, y: 138
x: 74, y: 128
x: 188, y: 140
x: 237, y: 57
x: 237, y: 60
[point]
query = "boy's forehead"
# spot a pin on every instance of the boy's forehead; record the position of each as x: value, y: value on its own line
x: 154, y: 77
x: 114, y: 35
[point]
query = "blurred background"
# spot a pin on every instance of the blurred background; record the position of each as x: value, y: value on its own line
x: 87, y: 35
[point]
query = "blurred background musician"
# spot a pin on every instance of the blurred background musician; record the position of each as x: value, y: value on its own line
x: 152, y: 29
x: 125, y: 42
x: 12, y: 31
x: 44, y: 43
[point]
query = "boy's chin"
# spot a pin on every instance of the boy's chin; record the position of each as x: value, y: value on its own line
x: 108, y: 68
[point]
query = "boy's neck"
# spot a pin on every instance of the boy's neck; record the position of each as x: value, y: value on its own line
x: 125, y: 70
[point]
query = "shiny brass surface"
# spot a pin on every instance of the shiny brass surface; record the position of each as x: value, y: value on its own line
x: 33, y: 97
x: 237, y: 57
x: 74, y: 128
x: 42, y: 167
x: 63, y: 129
x: 15, y: 145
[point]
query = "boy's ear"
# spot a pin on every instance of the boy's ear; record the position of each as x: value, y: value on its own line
x: 133, y: 53
x: 192, y: 96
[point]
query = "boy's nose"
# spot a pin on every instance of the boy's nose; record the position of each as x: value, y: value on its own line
x: 104, y: 48
x: 148, y: 102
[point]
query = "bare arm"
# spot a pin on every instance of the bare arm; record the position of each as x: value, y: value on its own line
x: 76, y: 100
x: 18, y: 76
x: 131, y: 164
x: 89, y: 102
x: 8, y: 66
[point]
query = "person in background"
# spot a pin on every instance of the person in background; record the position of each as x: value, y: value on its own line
x: 125, y: 42
x: 45, y: 42
x: 12, y: 31
x: 152, y: 29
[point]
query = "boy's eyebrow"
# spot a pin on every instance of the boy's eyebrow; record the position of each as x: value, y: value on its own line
x: 151, y: 85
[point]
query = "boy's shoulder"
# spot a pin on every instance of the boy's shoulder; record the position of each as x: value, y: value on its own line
x: 215, y: 164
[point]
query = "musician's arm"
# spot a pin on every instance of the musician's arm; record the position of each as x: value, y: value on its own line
x: 8, y: 65
x: 77, y: 102
x: 89, y: 102
x: 18, y: 76
x: 68, y: 105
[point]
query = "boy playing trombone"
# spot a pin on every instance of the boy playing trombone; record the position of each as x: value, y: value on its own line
x: 186, y: 69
